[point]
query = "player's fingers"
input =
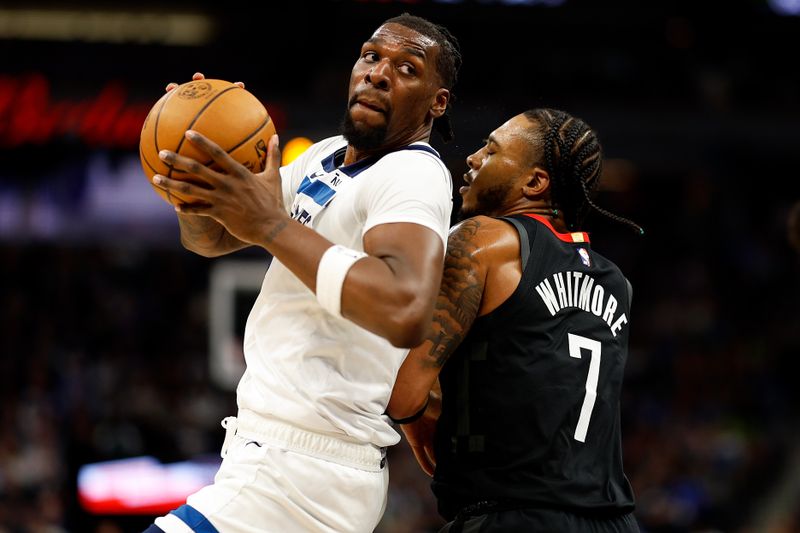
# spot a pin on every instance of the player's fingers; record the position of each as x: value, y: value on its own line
x: 430, y: 457
x: 422, y: 459
x: 273, y: 154
x: 196, y: 76
x: 425, y: 463
x: 194, y: 209
x: 418, y: 456
x: 239, y: 83
x: 220, y: 156
x: 185, y: 188
x: 190, y: 165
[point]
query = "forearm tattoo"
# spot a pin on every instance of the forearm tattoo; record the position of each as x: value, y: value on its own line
x: 460, y: 295
x: 275, y: 231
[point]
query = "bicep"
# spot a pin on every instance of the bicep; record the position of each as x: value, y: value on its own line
x: 461, y: 291
x: 392, y: 291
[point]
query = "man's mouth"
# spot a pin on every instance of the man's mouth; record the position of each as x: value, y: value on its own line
x: 371, y: 101
x: 468, y: 179
x: 373, y: 106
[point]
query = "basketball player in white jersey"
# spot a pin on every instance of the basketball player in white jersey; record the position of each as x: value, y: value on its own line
x: 357, y: 229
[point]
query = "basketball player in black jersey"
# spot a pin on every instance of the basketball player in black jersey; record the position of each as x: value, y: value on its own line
x: 533, y: 324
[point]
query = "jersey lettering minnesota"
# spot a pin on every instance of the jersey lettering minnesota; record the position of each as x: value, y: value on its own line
x: 531, y: 397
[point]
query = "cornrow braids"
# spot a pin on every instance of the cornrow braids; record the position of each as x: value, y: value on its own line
x: 572, y: 155
x: 448, y: 61
x: 444, y: 127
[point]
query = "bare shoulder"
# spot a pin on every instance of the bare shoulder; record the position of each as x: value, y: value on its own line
x: 477, y: 248
x: 478, y: 228
x: 481, y: 235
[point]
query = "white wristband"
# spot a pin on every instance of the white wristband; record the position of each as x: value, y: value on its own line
x: 333, y: 267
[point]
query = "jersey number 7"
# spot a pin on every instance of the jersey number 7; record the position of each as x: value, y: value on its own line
x: 576, y: 342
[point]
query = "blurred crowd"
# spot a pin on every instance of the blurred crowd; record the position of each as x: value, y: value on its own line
x: 104, y: 354
x: 104, y: 350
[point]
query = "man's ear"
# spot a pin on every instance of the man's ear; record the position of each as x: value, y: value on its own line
x: 536, y: 184
x: 439, y: 105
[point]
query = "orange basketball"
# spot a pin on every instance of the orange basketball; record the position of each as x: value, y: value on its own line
x: 225, y: 113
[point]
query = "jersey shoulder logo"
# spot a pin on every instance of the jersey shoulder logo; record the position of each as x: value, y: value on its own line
x: 584, y: 255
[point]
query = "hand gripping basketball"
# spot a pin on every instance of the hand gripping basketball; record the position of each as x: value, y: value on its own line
x: 226, y: 113
x: 246, y: 203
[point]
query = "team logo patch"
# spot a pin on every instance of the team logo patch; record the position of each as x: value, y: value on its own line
x: 584, y: 255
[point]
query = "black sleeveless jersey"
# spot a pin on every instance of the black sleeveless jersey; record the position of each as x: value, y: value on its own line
x: 530, y: 411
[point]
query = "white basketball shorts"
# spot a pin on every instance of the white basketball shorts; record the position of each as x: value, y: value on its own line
x: 278, y: 478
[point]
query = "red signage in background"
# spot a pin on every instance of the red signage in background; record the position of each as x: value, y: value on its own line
x: 30, y: 115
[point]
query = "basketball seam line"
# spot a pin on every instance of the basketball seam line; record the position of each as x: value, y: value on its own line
x: 255, y: 132
x: 259, y: 128
x: 197, y: 116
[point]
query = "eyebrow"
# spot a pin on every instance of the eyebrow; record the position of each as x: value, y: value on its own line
x: 492, y: 139
x: 416, y: 52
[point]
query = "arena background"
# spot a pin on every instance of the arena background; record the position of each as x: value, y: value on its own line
x: 105, y: 352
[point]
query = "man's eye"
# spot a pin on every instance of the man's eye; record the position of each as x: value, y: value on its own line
x: 370, y: 56
x: 405, y: 68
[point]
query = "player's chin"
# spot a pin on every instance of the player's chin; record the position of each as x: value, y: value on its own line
x: 467, y: 200
x: 366, y: 118
x: 466, y: 211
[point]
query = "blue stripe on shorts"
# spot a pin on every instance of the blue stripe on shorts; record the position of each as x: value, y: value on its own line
x: 194, y: 519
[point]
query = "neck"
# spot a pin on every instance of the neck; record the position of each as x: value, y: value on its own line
x: 539, y: 207
x: 354, y: 155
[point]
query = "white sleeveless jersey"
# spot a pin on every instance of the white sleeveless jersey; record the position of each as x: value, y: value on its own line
x: 304, y: 365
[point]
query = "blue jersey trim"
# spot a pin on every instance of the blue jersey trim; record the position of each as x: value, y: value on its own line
x: 321, y: 193
x: 194, y: 519
x: 317, y: 190
x: 354, y: 169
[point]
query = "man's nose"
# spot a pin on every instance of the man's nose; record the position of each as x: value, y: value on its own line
x: 378, y: 75
x: 473, y: 161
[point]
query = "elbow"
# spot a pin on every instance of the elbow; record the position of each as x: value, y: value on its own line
x: 407, y: 337
x: 409, y: 324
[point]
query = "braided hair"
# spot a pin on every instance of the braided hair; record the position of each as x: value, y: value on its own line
x: 447, y: 63
x: 573, y: 158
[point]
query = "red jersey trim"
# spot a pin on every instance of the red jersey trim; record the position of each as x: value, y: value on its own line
x: 577, y: 236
